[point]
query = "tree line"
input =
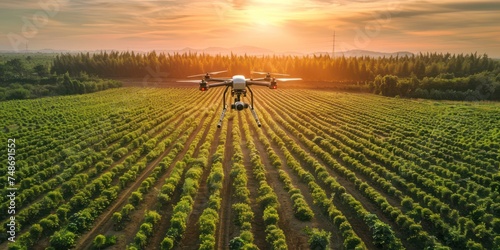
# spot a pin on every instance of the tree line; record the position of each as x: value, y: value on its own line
x: 480, y: 86
x: 30, y: 77
x: 430, y: 75
x: 321, y: 67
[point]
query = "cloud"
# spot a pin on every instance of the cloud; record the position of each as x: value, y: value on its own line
x: 308, y: 25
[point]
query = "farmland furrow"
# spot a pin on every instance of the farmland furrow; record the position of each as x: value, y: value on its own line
x: 225, y: 228
x: 258, y: 227
x: 293, y: 228
x: 320, y: 219
x: 105, y: 223
x: 201, y: 198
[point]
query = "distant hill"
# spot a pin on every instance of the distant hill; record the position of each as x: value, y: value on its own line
x: 251, y: 50
x: 241, y: 50
x: 360, y: 53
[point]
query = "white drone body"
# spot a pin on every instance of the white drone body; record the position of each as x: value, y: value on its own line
x: 239, y: 82
x: 239, y: 86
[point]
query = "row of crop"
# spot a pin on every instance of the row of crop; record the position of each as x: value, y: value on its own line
x: 209, y: 218
x: 351, y: 239
x: 35, y: 175
x: 80, y: 199
x: 437, y: 147
x: 301, y: 209
x: 266, y: 196
x: 360, y: 168
x: 445, y: 193
x: 332, y: 162
x: 346, y: 115
x: 358, y: 140
x: 241, y: 210
x: 479, y: 179
x: 43, y: 206
x: 146, y: 229
x: 29, y: 193
x: 133, y: 172
x: 437, y: 205
x: 187, y: 128
x: 119, y: 218
x: 369, y: 192
x: 399, y: 127
x: 37, y: 153
x: 77, y: 214
x: 192, y: 178
x: 171, y: 183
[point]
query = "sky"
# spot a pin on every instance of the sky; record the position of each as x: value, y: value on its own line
x: 459, y: 26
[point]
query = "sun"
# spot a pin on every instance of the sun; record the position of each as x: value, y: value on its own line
x: 264, y: 16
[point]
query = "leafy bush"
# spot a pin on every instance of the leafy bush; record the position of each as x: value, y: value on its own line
x: 318, y: 238
x: 63, y: 239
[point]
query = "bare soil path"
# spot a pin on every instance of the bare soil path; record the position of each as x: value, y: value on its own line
x: 104, y: 223
x: 258, y: 226
x: 226, y: 229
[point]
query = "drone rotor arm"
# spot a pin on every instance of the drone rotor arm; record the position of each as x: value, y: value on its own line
x: 258, y: 83
x: 225, y: 83
x: 218, y: 79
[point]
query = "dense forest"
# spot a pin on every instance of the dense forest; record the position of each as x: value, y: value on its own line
x: 431, y: 75
x: 434, y: 76
x: 29, y: 76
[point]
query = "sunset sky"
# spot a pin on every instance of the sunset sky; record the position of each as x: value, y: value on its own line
x: 302, y: 26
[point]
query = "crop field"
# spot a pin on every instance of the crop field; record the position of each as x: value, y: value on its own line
x: 147, y: 168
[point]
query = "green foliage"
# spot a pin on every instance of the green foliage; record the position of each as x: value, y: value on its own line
x: 275, y: 237
x: 270, y: 216
x: 352, y: 69
x: 140, y: 239
x: 99, y: 241
x: 117, y: 219
x: 24, y: 78
x: 167, y: 243
x: 318, y: 238
x: 383, y: 235
x: 242, y: 212
x: 152, y: 217
x: 438, y: 159
x: 475, y: 87
x: 50, y: 224
x: 36, y: 231
x: 135, y: 198
x: 236, y: 243
x: 63, y: 240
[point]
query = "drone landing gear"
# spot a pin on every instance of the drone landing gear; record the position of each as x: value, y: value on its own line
x: 224, y: 109
x: 239, y: 106
x: 255, y: 116
x: 222, y: 116
x: 252, y: 109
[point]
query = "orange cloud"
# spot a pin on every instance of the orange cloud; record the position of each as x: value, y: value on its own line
x: 303, y: 26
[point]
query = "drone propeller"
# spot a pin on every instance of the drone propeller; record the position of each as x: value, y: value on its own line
x: 191, y: 81
x: 209, y: 73
x: 287, y: 79
x: 268, y: 73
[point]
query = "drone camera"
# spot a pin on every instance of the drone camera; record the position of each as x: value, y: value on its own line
x: 239, y: 106
x: 273, y: 86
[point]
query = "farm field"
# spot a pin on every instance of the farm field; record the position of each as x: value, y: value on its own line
x: 147, y: 168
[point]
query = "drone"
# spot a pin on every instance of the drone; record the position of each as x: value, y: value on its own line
x: 239, y: 86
